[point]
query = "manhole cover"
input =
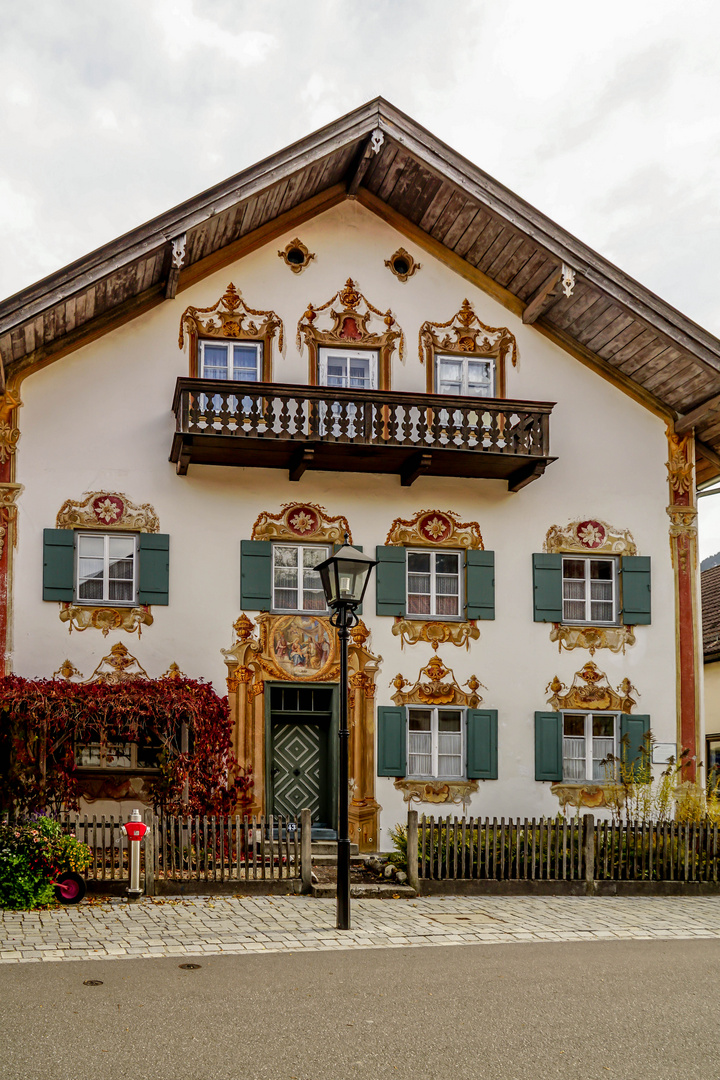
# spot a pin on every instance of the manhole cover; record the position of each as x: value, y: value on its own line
x: 189, y: 967
x: 473, y: 918
x: 93, y: 982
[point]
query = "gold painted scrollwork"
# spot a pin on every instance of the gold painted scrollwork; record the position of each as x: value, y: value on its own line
x: 436, y: 791
x: 614, y: 638
x: 80, y: 617
x: 227, y: 318
x: 107, y: 510
x: 301, y: 521
x: 436, y: 528
x: 467, y: 335
x: 590, y: 689
x: 589, y: 537
x: 411, y: 631
x: 436, y: 685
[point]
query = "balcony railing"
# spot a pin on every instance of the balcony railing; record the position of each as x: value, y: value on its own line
x: 268, y: 425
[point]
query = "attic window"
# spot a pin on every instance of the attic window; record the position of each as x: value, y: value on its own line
x: 402, y: 264
x: 296, y: 256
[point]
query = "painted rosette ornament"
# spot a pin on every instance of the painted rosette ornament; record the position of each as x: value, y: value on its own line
x: 435, y: 527
x: 591, y: 534
x: 108, y: 509
x: 303, y: 521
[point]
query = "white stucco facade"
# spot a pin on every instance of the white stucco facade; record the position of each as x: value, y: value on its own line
x: 99, y: 419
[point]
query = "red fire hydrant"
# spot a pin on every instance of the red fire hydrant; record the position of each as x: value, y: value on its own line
x: 135, y: 830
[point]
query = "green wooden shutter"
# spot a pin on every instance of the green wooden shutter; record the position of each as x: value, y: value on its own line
x: 480, y: 566
x: 256, y: 575
x: 59, y: 564
x: 548, y: 746
x: 154, y: 577
x: 547, y: 586
x: 482, y: 744
x: 390, y: 581
x: 392, y: 729
x: 635, y: 585
x: 633, y: 743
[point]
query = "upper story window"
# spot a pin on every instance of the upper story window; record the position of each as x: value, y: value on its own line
x: 588, y: 740
x: 349, y: 369
x: 435, y: 743
x: 241, y: 362
x: 589, y: 590
x: 466, y: 375
x: 296, y: 582
x: 434, y: 584
x: 106, y: 568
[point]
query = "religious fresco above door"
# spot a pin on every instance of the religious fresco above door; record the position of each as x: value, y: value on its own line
x: 299, y: 647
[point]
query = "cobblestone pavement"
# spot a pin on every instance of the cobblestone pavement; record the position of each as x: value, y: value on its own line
x: 232, y: 925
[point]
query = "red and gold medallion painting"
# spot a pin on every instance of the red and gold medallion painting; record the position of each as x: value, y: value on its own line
x: 108, y: 509
x: 591, y: 534
x: 435, y: 527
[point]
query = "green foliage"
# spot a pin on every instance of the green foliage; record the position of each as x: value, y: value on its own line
x: 31, y: 857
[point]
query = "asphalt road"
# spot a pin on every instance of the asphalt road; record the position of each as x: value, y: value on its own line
x: 581, y: 1011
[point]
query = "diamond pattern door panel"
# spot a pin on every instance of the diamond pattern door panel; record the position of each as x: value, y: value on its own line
x: 296, y: 769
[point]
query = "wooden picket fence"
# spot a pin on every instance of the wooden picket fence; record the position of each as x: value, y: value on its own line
x: 193, y: 849
x: 558, y: 849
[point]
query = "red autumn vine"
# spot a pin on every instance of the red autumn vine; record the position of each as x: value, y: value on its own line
x: 43, y: 720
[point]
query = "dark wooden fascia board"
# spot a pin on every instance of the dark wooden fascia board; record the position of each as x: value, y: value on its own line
x: 699, y: 415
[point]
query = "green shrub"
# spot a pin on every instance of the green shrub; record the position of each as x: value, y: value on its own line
x: 31, y: 857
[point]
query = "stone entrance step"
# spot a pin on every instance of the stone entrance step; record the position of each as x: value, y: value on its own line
x: 380, y: 891
x: 329, y: 848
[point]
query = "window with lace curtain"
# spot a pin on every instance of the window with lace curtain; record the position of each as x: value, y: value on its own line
x: 434, y: 584
x: 588, y: 739
x: 589, y: 590
x: 435, y: 743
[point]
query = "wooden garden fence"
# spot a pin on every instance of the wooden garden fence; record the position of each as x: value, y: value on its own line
x: 558, y: 849
x: 197, y: 850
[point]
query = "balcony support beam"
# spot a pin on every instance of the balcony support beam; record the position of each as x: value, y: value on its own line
x: 301, y: 460
x: 415, y: 466
x: 525, y: 475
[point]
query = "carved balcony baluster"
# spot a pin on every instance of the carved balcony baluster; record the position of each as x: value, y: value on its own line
x: 266, y: 424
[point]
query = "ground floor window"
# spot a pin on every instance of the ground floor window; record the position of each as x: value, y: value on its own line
x: 435, y: 743
x: 588, y: 739
x: 117, y: 755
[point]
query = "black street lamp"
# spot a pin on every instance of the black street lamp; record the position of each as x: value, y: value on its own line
x: 344, y: 579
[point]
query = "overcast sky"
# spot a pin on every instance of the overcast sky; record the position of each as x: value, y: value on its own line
x: 604, y: 114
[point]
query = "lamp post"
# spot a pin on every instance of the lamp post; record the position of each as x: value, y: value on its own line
x: 344, y: 579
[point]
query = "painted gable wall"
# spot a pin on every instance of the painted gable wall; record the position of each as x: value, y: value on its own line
x: 100, y: 419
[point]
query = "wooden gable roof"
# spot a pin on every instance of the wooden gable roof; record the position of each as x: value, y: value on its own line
x: 437, y: 198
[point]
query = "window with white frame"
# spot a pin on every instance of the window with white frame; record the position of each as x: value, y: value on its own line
x: 238, y: 361
x: 106, y: 568
x: 589, y: 590
x: 296, y: 582
x: 435, y: 743
x: 588, y: 739
x: 434, y: 584
x: 466, y: 375
x: 348, y: 369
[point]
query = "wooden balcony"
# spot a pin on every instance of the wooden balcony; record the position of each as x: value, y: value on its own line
x: 273, y: 426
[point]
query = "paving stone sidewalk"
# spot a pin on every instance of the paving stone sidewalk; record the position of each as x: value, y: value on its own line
x: 236, y: 925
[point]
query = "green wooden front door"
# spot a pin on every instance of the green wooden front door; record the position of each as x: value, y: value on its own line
x: 300, y: 770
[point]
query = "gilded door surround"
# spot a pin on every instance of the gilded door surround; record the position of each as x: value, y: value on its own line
x: 590, y: 537
x: 227, y: 320
x: 436, y: 685
x: 467, y: 336
x: 682, y: 512
x: 251, y: 663
x: 350, y: 327
x: 301, y: 521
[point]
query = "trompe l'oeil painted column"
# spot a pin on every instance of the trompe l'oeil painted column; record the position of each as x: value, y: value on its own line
x: 683, y: 546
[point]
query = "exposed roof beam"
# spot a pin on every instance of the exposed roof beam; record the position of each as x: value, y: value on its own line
x: 708, y: 453
x: 700, y: 415
x: 542, y: 298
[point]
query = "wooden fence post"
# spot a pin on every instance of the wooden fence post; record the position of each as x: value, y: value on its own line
x: 589, y: 852
x: 306, y: 850
x: 150, y: 821
x: 412, y: 850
